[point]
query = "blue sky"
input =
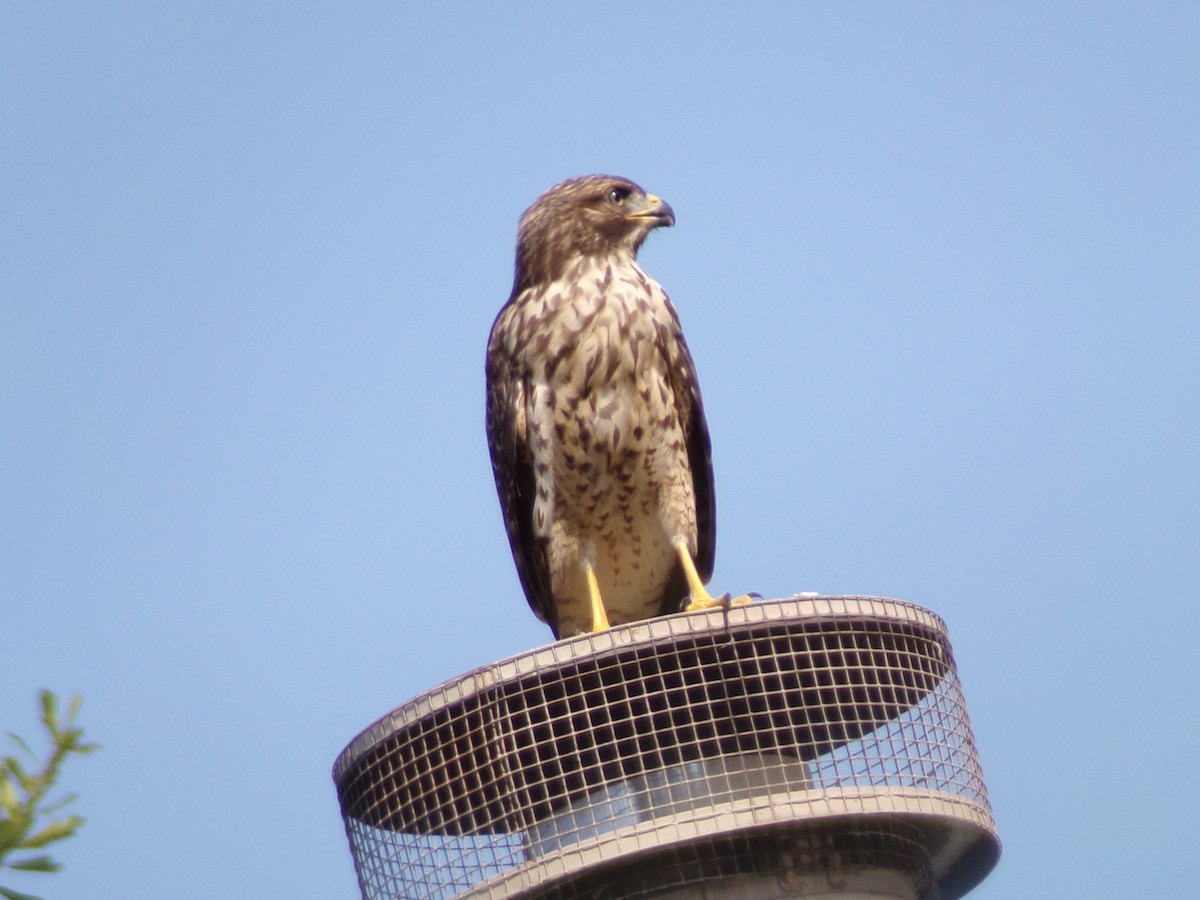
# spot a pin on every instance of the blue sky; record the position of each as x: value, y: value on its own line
x: 939, y: 267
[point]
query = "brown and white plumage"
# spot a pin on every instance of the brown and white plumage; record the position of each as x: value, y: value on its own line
x: 594, y: 420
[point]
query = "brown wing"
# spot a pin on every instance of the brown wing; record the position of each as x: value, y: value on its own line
x: 686, y: 388
x: 512, y: 466
x: 700, y: 459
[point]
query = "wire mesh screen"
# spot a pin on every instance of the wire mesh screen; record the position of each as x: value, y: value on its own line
x: 643, y: 759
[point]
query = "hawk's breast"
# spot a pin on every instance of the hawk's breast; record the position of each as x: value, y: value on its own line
x: 613, y: 483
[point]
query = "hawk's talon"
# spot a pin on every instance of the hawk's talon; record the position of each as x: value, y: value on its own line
x: 700, y: 598
x: 706, y: 602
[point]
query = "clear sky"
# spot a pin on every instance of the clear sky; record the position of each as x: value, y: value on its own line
x: 939, y: 266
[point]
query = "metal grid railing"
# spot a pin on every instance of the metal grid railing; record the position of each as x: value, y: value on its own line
x: 676, y: 742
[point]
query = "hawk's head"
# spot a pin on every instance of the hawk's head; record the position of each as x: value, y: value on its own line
x: 595, y: 215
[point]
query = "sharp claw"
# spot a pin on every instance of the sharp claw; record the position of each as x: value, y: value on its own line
x: 724, y: 601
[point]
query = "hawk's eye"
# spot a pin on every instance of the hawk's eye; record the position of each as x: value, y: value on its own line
x: 617, y: 196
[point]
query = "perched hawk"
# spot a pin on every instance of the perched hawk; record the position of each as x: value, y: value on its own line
x: 594, y: 421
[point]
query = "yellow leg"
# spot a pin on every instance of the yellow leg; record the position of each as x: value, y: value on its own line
x: 599, y: 616
x: 700, y: 597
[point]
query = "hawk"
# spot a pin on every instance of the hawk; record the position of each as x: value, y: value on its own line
x: 597, y: 434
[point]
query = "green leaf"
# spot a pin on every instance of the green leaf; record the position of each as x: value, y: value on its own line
x: 16, y: 895
x: 42, y: 863
x: 8, y: 799
x: 51, y: 808
x: 49, y: 713
x: 11, y: 765
x: 55, y: 831
x: 13, y: 828
x: 20, y: 743
x: 11, y: 831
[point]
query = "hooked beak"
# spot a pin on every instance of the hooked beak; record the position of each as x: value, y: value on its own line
x: 657, y: 210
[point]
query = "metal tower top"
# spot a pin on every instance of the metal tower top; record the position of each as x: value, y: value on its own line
x: 758, y: 751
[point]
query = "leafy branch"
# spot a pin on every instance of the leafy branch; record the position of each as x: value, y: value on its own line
x: 28, y: 822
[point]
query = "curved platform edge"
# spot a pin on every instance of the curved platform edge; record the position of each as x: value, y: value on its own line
x: 962, y: 844
x: 559, y: 653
